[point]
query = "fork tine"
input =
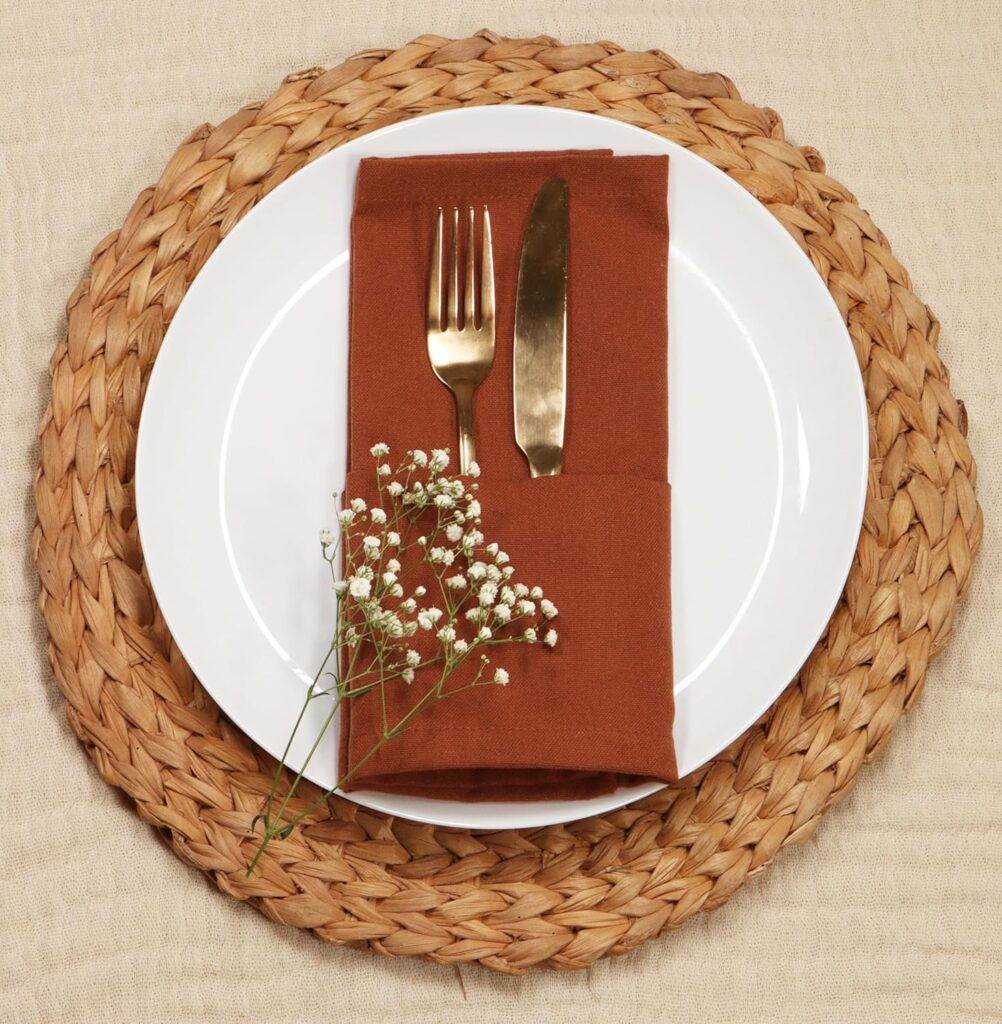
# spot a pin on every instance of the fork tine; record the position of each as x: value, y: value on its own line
x: 470, y: 289
x: 487, y: 275
x: 434, y: 319
x: 453, y: 300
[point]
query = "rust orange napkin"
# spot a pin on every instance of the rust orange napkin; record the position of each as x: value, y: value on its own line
x: 596, y: 712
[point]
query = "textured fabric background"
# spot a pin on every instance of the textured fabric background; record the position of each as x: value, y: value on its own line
x: 891, y: 913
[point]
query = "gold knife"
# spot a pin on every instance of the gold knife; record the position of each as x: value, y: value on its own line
x: 540, y: 358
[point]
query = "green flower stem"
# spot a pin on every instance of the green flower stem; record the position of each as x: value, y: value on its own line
x: 372, y: 612
x: 433, y: 696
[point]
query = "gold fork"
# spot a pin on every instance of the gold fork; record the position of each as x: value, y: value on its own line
x: 462, y: 356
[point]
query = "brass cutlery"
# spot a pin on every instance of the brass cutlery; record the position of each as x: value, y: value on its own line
x: 462, y: 356
x: 540, y: 354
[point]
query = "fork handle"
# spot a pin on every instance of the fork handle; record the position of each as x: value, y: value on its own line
x: 464, y: 414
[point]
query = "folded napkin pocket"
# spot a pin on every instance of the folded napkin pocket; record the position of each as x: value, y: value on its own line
x: 592, y: 714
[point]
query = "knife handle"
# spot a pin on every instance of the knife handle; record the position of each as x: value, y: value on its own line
x: 545, y: 461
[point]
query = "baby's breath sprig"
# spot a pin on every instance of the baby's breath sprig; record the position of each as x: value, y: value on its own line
x: 425, y: 523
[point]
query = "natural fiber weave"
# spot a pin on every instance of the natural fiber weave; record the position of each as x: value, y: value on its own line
x: 561, y: 896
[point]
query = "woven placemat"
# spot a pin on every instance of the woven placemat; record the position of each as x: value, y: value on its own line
x: 561, y: 896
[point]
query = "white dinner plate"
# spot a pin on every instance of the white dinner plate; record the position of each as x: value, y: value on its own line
x: 243, y: 440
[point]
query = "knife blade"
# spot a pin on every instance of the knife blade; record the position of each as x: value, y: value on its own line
x: 540, y: 355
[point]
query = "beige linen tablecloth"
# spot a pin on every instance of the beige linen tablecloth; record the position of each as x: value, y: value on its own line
x: 890, y: 914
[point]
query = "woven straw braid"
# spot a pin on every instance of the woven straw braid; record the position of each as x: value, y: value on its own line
x: 561, y: 896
